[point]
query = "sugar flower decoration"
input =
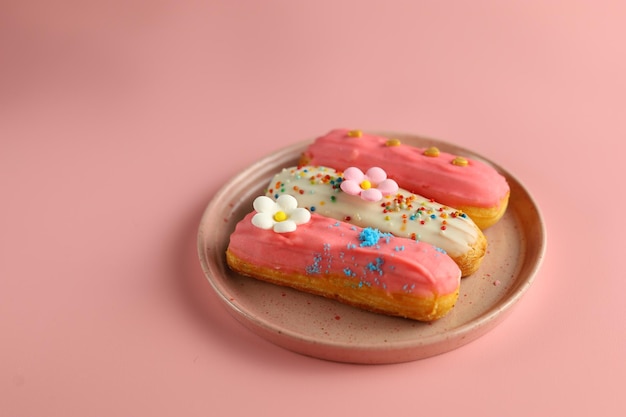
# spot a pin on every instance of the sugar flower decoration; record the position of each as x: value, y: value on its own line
x: 282, y: 215
x: 371, y: 186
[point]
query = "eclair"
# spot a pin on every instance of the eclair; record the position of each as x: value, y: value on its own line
x: 361, y: 267
x: 370, y: 199
x: 469, y: 185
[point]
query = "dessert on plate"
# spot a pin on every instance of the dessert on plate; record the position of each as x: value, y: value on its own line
x: 372, y: 223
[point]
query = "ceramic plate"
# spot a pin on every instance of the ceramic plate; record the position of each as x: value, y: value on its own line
x: 323, y: 328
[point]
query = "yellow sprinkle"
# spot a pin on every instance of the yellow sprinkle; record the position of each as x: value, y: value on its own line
x: 433, y: 151
x: 280, y: 216
x: 460, y: 161
x: 387, y: 218
x: 393, y: 142
x: 355, y: 133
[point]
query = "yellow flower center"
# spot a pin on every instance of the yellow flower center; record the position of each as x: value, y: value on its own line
x: 366, y: 185
x: 280, y: 216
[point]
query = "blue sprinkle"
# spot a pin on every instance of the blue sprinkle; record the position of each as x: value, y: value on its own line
x: 376, y: 267
x: 315, y: 268
x: 399, y: 248
x: 440, y: 250
x: 369, y: 237
x: 432, y: 216
x: 312, y: 208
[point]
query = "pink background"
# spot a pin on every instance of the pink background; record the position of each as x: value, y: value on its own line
x: 120, y: 120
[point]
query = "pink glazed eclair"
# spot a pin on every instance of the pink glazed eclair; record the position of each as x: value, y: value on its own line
x: 361, y: 267
x: 465, y: 184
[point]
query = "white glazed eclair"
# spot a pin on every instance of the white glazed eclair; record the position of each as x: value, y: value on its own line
x: 328, y: 192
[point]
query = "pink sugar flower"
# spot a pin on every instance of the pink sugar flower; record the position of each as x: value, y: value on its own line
x: 371, y: 186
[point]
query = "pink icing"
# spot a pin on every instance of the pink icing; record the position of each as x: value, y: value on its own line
x: 325, y: 246
x: 474, y: 185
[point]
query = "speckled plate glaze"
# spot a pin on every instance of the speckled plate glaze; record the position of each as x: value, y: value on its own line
x: 326, y: 329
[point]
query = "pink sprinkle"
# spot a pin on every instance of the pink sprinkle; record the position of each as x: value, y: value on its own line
x: 496, y: 282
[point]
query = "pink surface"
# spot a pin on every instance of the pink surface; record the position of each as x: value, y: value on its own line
x: 120, y: 120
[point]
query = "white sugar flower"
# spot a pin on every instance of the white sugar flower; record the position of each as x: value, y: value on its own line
x: 282, y: 215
